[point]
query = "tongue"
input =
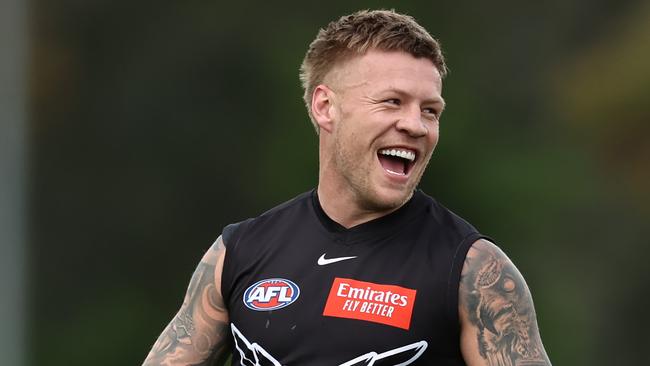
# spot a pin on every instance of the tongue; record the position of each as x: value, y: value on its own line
x: 392, y: 163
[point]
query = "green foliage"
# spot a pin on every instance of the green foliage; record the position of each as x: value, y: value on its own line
x: 154, y: 126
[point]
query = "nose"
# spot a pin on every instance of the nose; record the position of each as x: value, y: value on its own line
x: 412, y: 123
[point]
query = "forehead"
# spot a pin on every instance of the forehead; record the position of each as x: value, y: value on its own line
x: 378, y: 71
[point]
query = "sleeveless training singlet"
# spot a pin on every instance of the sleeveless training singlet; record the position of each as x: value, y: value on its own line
x: 303, y: 290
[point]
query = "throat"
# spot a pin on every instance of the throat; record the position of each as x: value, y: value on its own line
x: 393, y: 164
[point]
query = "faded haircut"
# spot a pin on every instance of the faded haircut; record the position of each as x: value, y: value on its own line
x: 357, y: 33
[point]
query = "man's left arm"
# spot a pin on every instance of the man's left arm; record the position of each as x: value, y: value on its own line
x: 498, y: 322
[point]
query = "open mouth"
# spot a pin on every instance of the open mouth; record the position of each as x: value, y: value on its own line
x: 397, y: 161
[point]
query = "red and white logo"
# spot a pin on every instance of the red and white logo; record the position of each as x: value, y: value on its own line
x: 271, y: 294
x: 386, y: 304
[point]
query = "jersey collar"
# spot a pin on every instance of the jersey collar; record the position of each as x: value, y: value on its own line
x: 383, y: 226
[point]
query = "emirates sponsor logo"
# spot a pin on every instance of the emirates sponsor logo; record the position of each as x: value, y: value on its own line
x: 385, y: 304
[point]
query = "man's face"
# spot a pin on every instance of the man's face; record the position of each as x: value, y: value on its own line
x: 386, y: 125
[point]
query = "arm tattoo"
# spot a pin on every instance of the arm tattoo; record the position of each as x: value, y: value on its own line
x: 498, y: 303
x: 198, y: 333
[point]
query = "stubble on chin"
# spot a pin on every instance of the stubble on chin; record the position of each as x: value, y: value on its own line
x: 380, y: 204
x: 364, y: 191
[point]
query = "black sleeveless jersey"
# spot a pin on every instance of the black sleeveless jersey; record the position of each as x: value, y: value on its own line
x: 301, y: 289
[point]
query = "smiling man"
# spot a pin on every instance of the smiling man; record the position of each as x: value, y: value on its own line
x: 377, y: 115
x: 365, y: 269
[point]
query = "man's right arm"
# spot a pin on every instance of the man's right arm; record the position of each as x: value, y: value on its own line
x: 198, y: 334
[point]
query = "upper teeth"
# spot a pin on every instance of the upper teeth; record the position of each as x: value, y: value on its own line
x: 399, y: 153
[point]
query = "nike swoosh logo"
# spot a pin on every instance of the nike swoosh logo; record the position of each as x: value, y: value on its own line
x: 322, y: 261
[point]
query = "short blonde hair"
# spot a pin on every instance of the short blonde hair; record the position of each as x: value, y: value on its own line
x: 356, y: 34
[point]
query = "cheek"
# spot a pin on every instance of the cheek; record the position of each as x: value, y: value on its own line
x: 434, y: 135
x: 432, y: 138
x: 435, y: 131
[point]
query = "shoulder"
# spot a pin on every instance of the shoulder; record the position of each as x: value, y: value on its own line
x: 442, y: 215
x: 297, y: 205
x: 488, y: 268
x: 484, y: 252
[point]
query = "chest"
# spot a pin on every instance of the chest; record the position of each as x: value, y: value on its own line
x: 308, y: 298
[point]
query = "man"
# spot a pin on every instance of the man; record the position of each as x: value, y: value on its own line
x: 365, y: 269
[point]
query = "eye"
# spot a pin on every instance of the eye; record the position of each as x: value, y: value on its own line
x: 393, y: 101
x: 432, y: 112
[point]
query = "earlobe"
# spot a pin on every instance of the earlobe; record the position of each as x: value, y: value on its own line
x: 322, y: 107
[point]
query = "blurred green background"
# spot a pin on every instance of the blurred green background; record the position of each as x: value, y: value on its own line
x: 151, y: 125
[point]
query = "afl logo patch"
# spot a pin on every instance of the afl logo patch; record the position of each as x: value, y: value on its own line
x: 271, y: 294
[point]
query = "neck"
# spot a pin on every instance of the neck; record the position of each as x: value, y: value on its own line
x: 344, y: 209
x: 338, y: 199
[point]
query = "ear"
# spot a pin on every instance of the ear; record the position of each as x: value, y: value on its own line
x: 322, y: 107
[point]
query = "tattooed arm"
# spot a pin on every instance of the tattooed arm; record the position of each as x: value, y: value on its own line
x: 198, y: 333
x: 498, y: 322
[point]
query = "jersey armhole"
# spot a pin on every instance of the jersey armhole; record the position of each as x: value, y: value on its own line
x: 230, y: 237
